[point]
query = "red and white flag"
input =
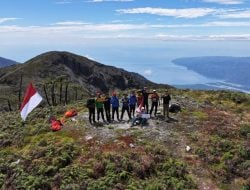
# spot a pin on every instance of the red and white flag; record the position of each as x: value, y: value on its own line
x: 31, y: 100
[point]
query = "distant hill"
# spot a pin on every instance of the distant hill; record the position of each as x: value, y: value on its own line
x: 6, y: 62
x: 89, y: 74
x: 228, y: 69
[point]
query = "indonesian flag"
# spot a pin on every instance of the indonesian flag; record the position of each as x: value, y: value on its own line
x: 31, y: 100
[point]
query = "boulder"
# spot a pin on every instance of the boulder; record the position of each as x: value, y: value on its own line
x: 174, y: 108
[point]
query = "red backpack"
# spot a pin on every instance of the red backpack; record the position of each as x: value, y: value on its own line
x: 56, y: 125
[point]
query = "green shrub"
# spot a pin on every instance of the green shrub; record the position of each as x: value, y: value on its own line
x: 245, y: 129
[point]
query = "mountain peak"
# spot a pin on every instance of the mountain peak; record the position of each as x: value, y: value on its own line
x: 6, y: 62
x: 89, y: 74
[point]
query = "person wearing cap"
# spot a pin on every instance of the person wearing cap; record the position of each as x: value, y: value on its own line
x: 132, y: 103
x: 107, y: 104
x: 99, y: 105
x: 125, y: 106
x: 115, y: 106
x: 155, y: 101
x: 166, y: 99
x: 91, y: 107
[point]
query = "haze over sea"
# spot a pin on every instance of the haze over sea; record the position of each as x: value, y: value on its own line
x: 151, y: 58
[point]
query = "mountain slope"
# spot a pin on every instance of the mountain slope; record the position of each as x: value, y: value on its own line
x: 6, y: 62
x: 229, y: 69
x: 77, y: 69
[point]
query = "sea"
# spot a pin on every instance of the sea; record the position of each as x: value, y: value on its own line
x: 154, y: 61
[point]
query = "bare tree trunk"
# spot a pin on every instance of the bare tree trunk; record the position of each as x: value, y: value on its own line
x: 53, y: 93
x: 66, y: 93
x: 60, y: 93
x: 9, y: 105
x: 46, y: 94
x: 20, y: 92
x: 76, y: 93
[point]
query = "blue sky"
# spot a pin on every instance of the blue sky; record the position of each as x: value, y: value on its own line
x: 29, y: 27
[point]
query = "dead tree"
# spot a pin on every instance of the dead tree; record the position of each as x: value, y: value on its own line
x: 53, y: 98
x: 20, y: 92
x: 9, y: 105
x: 66, y: 93
x: 46, y: 94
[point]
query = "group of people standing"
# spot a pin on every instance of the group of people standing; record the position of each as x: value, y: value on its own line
x: 110, y: 105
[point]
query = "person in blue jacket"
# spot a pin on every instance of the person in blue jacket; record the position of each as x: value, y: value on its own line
x: 132, y: 103
x: 115, y: 106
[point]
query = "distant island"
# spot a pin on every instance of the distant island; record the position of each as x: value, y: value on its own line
x: 232, y: 72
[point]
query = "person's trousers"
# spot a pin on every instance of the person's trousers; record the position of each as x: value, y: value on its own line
x: 108, y: 116
x: 145, y: 105
x: 100, y: 111
x: 165, y: 110
x: 115, y: 109
x: 154, y: 105
x: 132, y: 110
x: 91, y: 115
x: 125, y: 109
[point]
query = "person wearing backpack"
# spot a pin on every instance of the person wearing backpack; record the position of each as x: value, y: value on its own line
x: 115, y: 106
x: 91, y: 107
x: 125, y: 106
x: 155, y: 102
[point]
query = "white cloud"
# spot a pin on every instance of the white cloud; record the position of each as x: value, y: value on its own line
x: 179, y: 13
x: 68, y: 27
x: 226, y: 24
x: 147, y: 72
x: 222, y: 37
x: 225, y: 2
x: 63, y: 2
x: 236, y: 14
x: 77, y: 30
x: 70, y: 23
x: 2, y: 20
x: 100, y: 1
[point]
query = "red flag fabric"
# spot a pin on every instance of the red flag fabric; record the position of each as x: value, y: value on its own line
x: 138, y: 110
x: 31, y: 100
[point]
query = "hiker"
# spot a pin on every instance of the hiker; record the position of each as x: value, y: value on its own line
x: 125, y: 106
x: 139, y: 98
x: 107, y: 108
x: 99, y: 105
x: 139, y: 119
x: 115, y: 106
x: 166, y: 99
x: 155, y: 101
x: 91, y: 107
x: 132, y: 103
x: 145, y: 95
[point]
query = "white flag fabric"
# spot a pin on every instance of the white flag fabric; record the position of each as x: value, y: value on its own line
x: 31, y: 100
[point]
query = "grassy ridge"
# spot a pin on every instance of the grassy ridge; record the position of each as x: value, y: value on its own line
x: 215, y: 125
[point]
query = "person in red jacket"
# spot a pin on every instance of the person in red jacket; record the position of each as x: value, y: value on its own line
x: 139, y: 98
x: 155, y: 102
